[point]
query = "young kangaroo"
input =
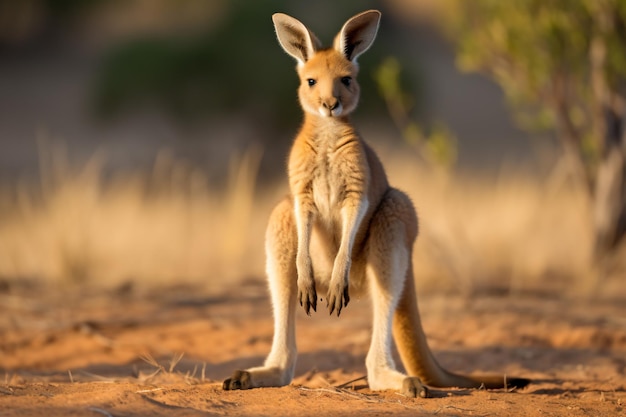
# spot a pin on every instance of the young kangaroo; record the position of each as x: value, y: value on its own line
x: 344, y: 230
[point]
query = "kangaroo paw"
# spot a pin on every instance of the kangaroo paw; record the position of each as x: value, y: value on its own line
x: 413, y: 387
x: 239, y: 380
x: 337, y: 298
x: 307, y: 295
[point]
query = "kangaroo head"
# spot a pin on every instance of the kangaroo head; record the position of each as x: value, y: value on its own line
x: 328, y: 85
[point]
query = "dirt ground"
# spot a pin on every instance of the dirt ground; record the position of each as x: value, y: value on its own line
x: 164, y: 352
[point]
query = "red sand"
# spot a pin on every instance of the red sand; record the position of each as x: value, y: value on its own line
x: 87, y: 353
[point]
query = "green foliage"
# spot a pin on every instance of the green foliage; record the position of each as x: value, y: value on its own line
x: 521, y: 43
x: 539, y: 51
x: 437, y: 146
x: 188, y: 76
x: 562, y: 64
x: 235, y: 68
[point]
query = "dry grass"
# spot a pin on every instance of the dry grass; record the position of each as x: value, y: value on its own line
x: 510, y: 233
x: 168, y: 226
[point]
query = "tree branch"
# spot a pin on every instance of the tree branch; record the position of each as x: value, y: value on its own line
x: 568, y: 134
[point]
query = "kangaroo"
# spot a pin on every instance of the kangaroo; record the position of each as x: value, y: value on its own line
x: 344, y: 230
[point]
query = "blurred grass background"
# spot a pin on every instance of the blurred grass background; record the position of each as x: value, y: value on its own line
x: 505, y: 234
x: 144, y: 142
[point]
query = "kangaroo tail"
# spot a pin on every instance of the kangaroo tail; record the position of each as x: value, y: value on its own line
x: 419, y: 361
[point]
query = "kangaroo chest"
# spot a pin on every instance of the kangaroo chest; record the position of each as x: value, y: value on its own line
x: 326, y: 187
x: 328, y: 170
x: 337, y: 170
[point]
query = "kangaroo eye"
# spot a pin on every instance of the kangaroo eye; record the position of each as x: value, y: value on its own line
x: 311, y: 82
x: 346, y: 81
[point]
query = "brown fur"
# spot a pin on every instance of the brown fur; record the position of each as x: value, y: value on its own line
x: 344, y: 230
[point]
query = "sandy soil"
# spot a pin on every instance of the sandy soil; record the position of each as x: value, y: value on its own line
x: 118, y: 353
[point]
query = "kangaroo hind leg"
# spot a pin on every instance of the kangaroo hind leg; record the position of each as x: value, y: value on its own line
x: 388, y: 257
x: 280, y: 247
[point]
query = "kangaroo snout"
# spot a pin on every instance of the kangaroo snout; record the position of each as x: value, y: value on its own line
x: 331, y: 107
x: 331, y: 104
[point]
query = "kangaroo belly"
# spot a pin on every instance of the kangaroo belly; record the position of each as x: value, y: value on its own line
x: 323, y: 249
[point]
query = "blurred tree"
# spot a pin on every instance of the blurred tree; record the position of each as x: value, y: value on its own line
x: 562, y: 64
x: 437, y: 146
x: 235, y: 68
x: 189, y: 76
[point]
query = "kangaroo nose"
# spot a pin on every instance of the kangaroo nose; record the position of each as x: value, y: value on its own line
x: 331, y: 104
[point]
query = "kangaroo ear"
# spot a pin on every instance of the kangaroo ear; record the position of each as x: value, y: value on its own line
x: 357, y: 34
x: 295, y: 38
